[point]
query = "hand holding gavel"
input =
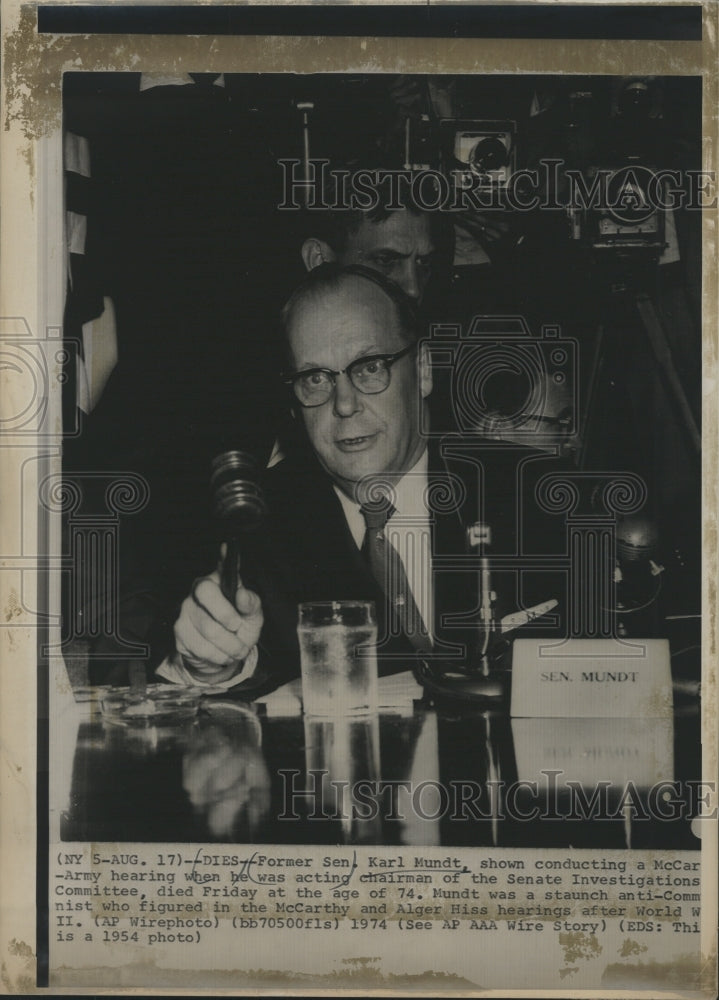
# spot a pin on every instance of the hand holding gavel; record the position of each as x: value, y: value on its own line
x: 221, y: 620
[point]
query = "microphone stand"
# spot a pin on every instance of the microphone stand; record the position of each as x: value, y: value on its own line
x: 479, y: 535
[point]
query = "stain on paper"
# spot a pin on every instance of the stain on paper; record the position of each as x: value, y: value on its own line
x: 563, y: 973
x: 13, y: 608
x: 24, y: 984
x: 577, y: 946
x: 630, y: 947
x: 683, y: 973
x: 144, y: 974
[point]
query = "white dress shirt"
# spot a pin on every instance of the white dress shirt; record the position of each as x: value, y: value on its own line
x: 408, y: 531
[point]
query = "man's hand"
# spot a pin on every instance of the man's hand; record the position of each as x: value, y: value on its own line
x: 213, y: 637
x: 224, y: 773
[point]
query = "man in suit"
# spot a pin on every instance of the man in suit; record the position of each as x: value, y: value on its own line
x: 360, y: 382
x: 403, y: 245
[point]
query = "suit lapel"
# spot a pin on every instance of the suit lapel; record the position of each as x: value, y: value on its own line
x: 335, y: 569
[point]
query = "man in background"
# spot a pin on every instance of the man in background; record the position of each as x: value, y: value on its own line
x: 401, y: 244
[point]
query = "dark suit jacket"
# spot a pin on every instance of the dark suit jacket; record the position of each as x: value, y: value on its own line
x: 304, y: 551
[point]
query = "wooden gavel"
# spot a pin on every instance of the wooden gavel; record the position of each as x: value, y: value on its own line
x: 238, y: 502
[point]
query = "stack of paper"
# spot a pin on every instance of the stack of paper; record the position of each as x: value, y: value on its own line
x: 396, y: 693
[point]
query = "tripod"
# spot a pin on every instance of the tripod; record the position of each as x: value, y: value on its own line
x: 642, y: 308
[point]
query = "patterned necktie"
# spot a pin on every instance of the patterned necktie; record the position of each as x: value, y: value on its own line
x: 388, y: 570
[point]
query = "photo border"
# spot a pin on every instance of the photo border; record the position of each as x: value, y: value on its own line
x: 32, y: 291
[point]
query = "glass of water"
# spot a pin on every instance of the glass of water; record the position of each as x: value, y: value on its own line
x: 338, y: 657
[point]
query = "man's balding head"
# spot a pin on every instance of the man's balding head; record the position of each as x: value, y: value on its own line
x: 361, y: 282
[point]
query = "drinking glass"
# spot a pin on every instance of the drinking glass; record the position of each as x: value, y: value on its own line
x: 338, y: 657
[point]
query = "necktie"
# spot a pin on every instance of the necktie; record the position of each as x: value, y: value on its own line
x: 388, y: 570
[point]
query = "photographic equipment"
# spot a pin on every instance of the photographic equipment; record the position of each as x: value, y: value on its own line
x: 615, y: 198
x: 478, y: 153
x: 475, y: 153
x: 618, y: 210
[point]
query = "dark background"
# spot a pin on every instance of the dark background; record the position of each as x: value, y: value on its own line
x: 184, y: 235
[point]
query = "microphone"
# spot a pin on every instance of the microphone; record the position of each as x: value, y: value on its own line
x: 638, y: 577
x: 636, y: 537
x: 479, y: 536
x: 238, y: 502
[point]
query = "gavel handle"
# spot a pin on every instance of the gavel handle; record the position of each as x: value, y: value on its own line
x: 230, y: 572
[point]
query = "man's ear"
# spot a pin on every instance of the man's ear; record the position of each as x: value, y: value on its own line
x: 424, y: 367
x: 315, y: 252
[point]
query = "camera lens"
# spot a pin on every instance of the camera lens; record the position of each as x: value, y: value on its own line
x: 488, y: 154
x: 628, y: 195
x: 633, y: 100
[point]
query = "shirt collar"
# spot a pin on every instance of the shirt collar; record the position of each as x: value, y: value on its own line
x: 408, y: 498
x: 410, y: 491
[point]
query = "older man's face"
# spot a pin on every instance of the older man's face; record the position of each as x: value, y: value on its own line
x: 356, y: 435
x: 400, y: 247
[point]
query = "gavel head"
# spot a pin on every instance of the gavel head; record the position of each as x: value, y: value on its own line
x: 238, y: 500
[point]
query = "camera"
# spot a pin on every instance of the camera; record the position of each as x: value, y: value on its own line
x: 478, y: 154
x: 503, y: 383
x: 616, y: 198
x: 618, y: 209
x: 473, y: 153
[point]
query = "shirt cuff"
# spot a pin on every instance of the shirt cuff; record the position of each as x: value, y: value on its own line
x: 174, y: 670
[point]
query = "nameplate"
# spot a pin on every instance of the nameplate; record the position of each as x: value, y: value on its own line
x: 588, y: 752
x: 591, y: 678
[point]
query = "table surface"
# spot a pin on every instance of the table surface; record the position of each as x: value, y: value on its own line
x: 422, y: 776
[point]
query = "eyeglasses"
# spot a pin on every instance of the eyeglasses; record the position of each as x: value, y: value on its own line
x: 370, y: 375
